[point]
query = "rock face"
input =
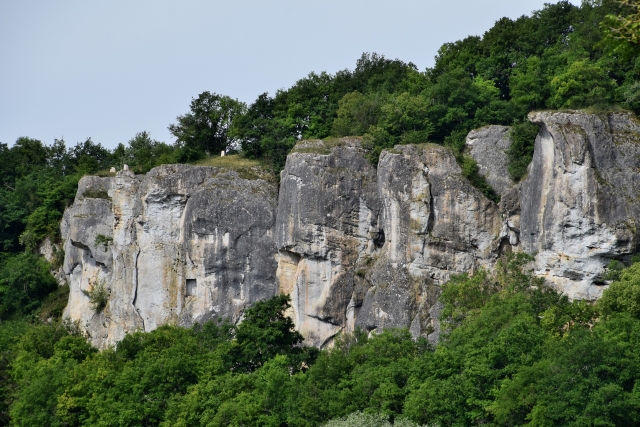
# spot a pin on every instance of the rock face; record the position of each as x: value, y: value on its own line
x: 327, y: 220
x: 180, y: 245
x: 435, y: 224
x: 488, y: 147
x: 366, y: 248
x: 354, y: 245
x: 580, y: 201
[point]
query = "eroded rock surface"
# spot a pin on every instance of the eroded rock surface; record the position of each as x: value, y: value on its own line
x: 580, y: 201
x: 488, y: 147
x: 354, y: 245
x: 366, y: 248
x: 435, y: 224
x: 179, y: 245
x: 327, y: 220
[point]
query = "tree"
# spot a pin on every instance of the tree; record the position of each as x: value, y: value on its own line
x: 523, y: 137
x: 264, y: 333
x: 624, y: 29
x: 90, y: 157
x: 583, y: 84
x: 205, y: 129
x: 24, y: 282
x: 356, y: 113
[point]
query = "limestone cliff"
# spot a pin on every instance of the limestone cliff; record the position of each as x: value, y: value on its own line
x: 354, y: 245
x: 578, y: 206
x: 327, y: 220
x: 580, y: 202
x: 369, y: 248
x: 179, y: 245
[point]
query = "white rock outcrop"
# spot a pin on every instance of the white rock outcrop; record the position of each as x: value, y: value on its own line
x: 580, y: 202
x: 146, y: 238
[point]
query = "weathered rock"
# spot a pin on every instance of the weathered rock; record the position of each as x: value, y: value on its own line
x: 371, y: 252
x: 580, y: 201
x: 52, y: 252
x: 488, y: 147
x: 327, y: 215
x: 435, y: 224
x: 353, y: 245
x: 146, y: 237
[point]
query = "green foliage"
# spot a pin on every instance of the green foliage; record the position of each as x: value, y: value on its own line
x: 98, y: 296
x: 529, y: 85
x: 307, y: 110
x: 103, y: 240
x: 584, y: 379
x: 360, y: 419
x: 523, y: 136
x: 513, y: 352
x: 10, y: 333
x: 471, y: 171
x: 265, y: 333
x: 356, y: 113
x: 623, y: 295
x: 553, y: 58
x: 614, y: 270
x: 54, y: 304
x: 45, y: 357
x: 143, y: 153
x: 24, y: 282
x: 358, y: 374
x: 622, y: 29
x: 631, y: 96
x: 204, y: 130
x: 583, y: 84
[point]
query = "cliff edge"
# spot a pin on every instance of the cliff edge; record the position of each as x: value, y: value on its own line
x: 356, y: 246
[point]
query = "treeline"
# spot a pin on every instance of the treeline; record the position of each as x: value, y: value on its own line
x: 513, y: 352
x: 556, y: 58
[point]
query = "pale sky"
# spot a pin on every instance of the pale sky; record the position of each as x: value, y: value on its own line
x: 74, y: 69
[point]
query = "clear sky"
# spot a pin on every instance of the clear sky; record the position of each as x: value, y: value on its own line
x: 74, y: 69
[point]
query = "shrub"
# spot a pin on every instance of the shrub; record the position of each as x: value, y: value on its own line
x: 523, y: 137
x: 98, y: 296
x: 101, y: 239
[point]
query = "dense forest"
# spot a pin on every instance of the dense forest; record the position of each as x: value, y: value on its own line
x: 512, y: 352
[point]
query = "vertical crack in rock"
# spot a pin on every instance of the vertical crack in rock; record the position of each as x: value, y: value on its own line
x: 432, y: 212
x: 135, y: 279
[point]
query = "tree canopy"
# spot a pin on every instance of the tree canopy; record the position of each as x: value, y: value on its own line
x: 205, y: 129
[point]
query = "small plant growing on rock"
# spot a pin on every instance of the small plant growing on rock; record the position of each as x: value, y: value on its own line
x: 101, y: 239
x: 98, y: 296
x: 614, y: 270
x: 96, y: 194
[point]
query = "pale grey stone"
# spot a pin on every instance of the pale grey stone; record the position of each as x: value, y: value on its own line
x: 488, y: 146
x: 176, y: 223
